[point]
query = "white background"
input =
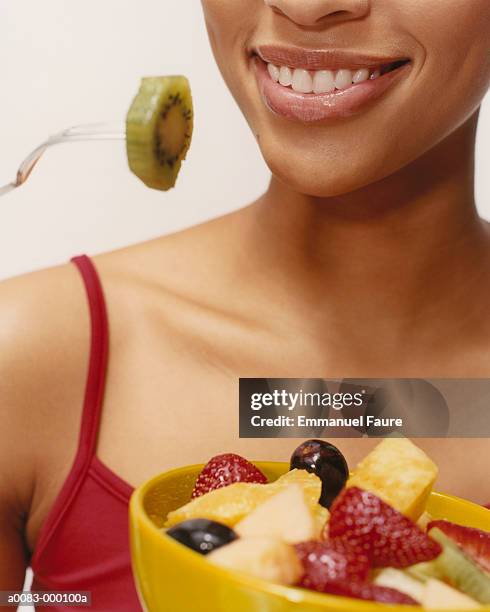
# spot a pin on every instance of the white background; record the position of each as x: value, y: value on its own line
x: 65, y: 62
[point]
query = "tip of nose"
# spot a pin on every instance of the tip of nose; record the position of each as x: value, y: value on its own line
x: 316, y: 12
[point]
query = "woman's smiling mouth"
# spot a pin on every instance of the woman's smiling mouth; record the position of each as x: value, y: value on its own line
x: 312, y: 86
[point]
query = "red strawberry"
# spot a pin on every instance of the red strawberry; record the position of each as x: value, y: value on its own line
x: 365, y: 523
x: 475, y: 543
x: 370, y: 592
x: 224, y: 470
x: 323, y: 564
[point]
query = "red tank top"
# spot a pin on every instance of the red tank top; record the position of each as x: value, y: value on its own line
x: 84, y: 542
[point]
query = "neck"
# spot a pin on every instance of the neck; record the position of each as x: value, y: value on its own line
x: 388, y: 254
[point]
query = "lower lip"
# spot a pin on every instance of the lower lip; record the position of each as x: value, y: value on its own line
x: 313, y: 108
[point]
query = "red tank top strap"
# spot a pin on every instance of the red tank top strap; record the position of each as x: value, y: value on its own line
x: 92, y: 405
x: 95, y: 385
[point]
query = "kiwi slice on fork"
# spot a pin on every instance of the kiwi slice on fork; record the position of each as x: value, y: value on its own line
x: 159, y: 128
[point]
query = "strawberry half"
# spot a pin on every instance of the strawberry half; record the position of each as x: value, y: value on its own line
x: 224, y: 470
x: 474, y: 542
x: 323, y: 564
x: 365, y: 523
x: 370, y: 592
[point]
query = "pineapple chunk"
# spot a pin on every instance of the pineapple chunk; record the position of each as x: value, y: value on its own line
x: 231, y: 504
x: 398, y: 472
x: 286, y: 516
x: 265, y: 558
x: 440, y: 596
x: 321, y: 516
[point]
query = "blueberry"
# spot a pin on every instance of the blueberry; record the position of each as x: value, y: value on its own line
x: 202, y: 535
x: 327, y: 462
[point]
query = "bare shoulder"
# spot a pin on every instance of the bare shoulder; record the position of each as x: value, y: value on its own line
x: 44, y: 335
x: 189, y: 263
x: 43, y: 323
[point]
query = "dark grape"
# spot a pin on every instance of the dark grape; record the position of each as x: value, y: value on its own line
x: 327, y: 462
x: 202, y: 535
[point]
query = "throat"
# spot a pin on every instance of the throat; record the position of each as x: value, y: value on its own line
x: 371, y: 271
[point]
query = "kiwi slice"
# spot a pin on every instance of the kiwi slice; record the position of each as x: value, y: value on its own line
x: 460, y: 569
x: 159, y: 128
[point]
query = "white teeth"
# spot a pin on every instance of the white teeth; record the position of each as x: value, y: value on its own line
x: 323, y: 81
x: 274, y: 72
x: 319, y: 81
x: 343, y: 79
x: 302, y: 81
x: 360, y: 76
x: 285, y: 76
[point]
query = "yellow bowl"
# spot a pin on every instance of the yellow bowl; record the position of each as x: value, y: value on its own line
x: 172, y: 578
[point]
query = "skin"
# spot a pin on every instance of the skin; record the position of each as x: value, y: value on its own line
x: 372, y: 264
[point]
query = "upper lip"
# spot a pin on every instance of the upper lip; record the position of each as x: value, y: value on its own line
x: 322, y: 59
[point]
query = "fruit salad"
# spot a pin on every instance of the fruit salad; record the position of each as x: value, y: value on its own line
x: 365, y: 535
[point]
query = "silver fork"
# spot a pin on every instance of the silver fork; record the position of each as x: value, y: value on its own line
x: 79, y: 133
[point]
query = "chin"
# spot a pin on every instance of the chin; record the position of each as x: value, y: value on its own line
x: 321, y: 180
